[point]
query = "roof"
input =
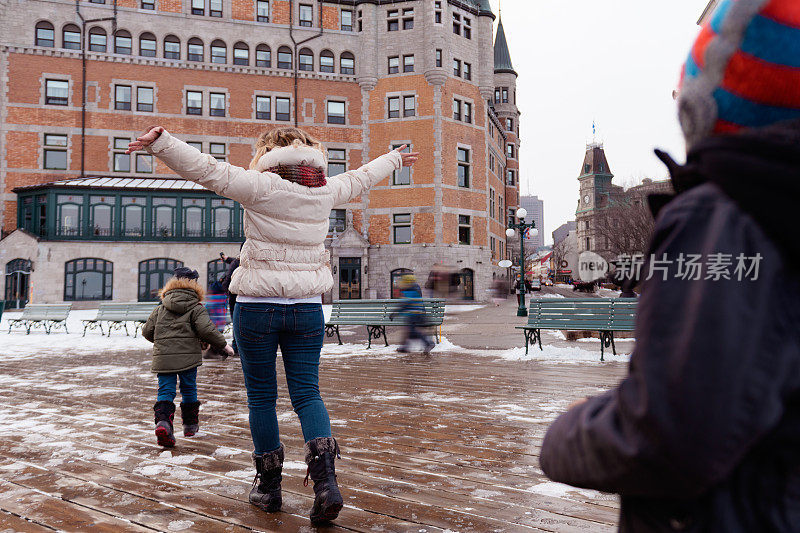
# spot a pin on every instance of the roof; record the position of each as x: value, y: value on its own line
x: 502, y: 57
x: 485, y: 8
x: 595, y: 162
x: 105, y: 182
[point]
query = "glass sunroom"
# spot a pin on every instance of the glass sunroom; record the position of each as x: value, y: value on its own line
x: 128, y: 209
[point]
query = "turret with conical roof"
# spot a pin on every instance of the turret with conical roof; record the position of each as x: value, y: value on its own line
x: 484, y: 8
x: 502, y: 57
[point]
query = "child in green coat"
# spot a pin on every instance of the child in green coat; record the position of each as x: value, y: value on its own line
x: 177, y: 327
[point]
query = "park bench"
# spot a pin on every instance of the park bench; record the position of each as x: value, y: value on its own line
x: 117, y: 316
x: 47, y: 316
x: 604, y: 315
x: 377, y: 314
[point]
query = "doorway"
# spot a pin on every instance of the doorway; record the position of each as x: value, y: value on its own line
x: 349, y: 278
x: 18, y: 281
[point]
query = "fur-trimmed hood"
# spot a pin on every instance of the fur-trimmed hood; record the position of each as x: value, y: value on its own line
x: 181, y: 294
x: 296, y: 154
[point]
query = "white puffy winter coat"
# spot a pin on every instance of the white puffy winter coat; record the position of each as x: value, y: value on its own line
x: 285, y: 224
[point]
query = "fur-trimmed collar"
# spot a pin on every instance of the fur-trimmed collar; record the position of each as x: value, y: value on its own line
x: 292, y: 155
x: 182, y: 283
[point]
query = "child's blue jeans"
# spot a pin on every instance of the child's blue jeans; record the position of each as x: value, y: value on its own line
x: 188, y: 383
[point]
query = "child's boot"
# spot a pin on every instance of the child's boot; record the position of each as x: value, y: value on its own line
x: 266, y: 493
x: 165, y: 412
x: 320, y: 456
x: 190, y: 416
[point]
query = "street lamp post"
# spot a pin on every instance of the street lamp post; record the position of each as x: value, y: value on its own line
x: 522, y: 226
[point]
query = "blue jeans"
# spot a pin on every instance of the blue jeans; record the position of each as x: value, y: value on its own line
x: 299, y: 330
x: 188, y: 380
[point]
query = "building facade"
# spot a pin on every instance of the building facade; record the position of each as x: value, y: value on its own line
x: 561, y: 232
x: 535, y: 208
x: 362, y: 76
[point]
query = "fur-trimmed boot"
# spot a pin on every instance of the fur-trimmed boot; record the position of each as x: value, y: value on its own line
x: 190, y: 416
x: 165, y: 412
x: 266, y: 492
x: 321, y: 454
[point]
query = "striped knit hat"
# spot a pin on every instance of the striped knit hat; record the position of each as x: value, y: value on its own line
x: 743, y: 70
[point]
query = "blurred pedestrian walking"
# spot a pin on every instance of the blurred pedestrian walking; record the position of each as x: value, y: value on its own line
x: 412, y: 313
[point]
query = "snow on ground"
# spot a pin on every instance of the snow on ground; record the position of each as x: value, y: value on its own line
x: 454, y: 309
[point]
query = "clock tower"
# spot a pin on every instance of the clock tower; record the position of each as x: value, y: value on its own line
x: 596, y: 192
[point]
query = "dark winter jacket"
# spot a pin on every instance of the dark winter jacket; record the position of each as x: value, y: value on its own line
x: 233, y: 264
x: 704, y: 432
x: 411, y: 304
x: 177, y: 327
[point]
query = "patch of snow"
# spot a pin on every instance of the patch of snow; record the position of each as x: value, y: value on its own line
x: 241, y: 474
x: 559, y: 490
x: 295, y: 465
x: 556, y: 354
x: 222, y: 451
x: 483, y: 493
x: 461, y: 308
x: 113, y: 458
x: 550, y: 295
x: 446, y: 346
x: 151, y: 470
x: 180, y: 525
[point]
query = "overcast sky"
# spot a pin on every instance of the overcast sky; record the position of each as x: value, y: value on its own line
x: 615, y: 62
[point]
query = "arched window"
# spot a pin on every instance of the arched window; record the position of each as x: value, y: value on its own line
x: 241, y: 54
x: 466, y: 287
x: 71, y: 37
x: 194, y: 216
x: 133, y: 216
x: 101, y: 215
x: 219, y: 52
x: 97, y: 39
x: 69, y: 213
x: 18, y: 273
x: 215, y: 269
x: 222, y: 217
x: 88, y: 279
x: 347, y: 63
x: 172, y: 47
x: 164, y: 217
x: 327, y: 63
x: 395, y: 278
x: 147, y: 45
x: 306, y: 61
x: 263, y: 56
x: 123, y: 44
x: 195, y: 49
x: 284, y: 57
x: 45, y: 34
x: 154, y: 274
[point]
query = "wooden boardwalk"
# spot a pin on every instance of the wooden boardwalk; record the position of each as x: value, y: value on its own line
x: 447, y: 443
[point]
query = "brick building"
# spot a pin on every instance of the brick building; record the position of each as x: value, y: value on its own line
x: 363, y: 76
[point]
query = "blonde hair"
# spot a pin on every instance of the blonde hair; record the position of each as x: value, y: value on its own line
x: 280, y: 137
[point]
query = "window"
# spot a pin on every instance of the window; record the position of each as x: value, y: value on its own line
x: 467, y: 71
x: 509, y: 124
x: 306, y: 61
x: 306, y: 15
x: 149, y: 4
x: 71, y: 36
x: 241, y: 54
x: 45, y: 34
x: 360, y: 22
x: 468, y: 112
x: 122, y: 161
x: 401, y: 228
x: 101, y: 215
x: 154, y: 274
x: 510, y: 178
x: 69, y: 212
x: 215, y: 8
x: 497, y: 96
x: 172, y: 47
x: 337, y: 164
x: 464, y: 232
x: 219, y: 52
x: 491, y: 161
x: 88, y: 279
x: 222, y: 218
x: 403, y: 175
x: 336, y: 112
x: 217, y: 150
x: 463, y: 167
x: 123, y: 44
x: 437, y: 12
x: 144, y: 163
x: 346, y: 20
x: 196, y: 145
x: 194, y: 103
x: 215, y: 270
x: 394, y: 107
x: 456, y: 109
x: 347, y: 63
x: 408, y: 63
x: 97, y: 1
x: 193, y: 216
x: 409, y: 106
x: 326, y: 61
x: 263, y: 107
x: 588, y: 243
x: 56, y: 92
x: 396, y: 280
x: 392, y: 20
x: 122, y: 97
x: 337, y: 220
x: 284, y: 57
x: 263, y: 56
x: 408, y: 18
x: 457, y: 67
x: 55, y: 152
x: 97, y: 39
x: 467, y: 28
x: 147, y: 45
x: 510, y: 151
x: 491, y: 203
x: 195, y: 49
x: 456, y: 23
x: 493, y: 246
x: 164, y: 217
x: 262, y: 10
x: 283, y: 109
x: 505, y: 95
x: 198, y: 7
x: 394, y: 64
x: 438, y: 57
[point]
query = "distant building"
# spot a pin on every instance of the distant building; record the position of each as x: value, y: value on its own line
x: 707, y: 12
x: 562, y: 232
x: 535, y: 208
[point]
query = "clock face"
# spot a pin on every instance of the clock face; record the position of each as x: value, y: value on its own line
x: 586, y: 199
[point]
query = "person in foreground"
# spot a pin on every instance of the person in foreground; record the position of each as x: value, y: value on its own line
x: 178, y: 327
x: 283, y: 271
x: 704, y: 432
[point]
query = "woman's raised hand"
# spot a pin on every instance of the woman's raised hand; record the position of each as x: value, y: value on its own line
x: 409, y: 158
x: 145, y: 140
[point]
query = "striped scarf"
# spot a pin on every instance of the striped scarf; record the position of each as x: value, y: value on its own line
x: 300, y: 174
